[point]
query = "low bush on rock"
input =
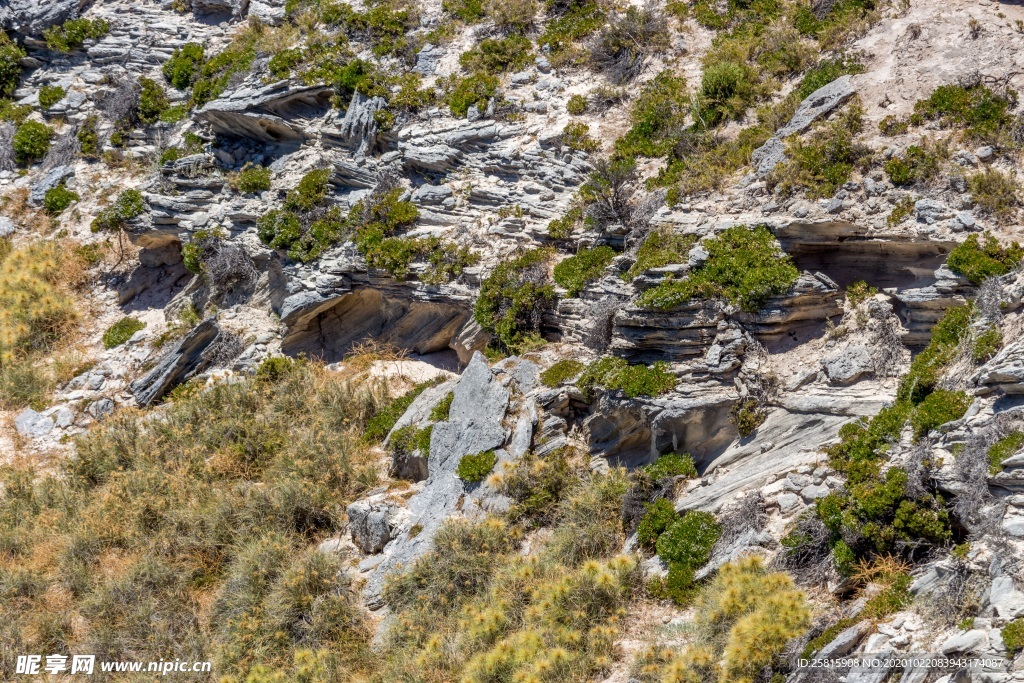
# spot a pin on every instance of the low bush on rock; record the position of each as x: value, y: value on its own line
x: 31, y: 142
x: 575, y: 272
x: 616, y: 374
x: 128, y: 205
x: 252, y: 179
x: 561, y: 372
x: 73, y: 33
x: 744, y: 267
x: 11, y: 55
x: 514, y: 297
x: 58, y: 198
x: 475, y: 468
x: 994, y: 192
x: 980, y: 257
x: 1003, y: 449
x: 672, y: 465
x: 50, y: 95
x: 121, y: 331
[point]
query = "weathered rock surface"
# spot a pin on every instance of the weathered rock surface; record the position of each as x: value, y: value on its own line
x: 177, y: 365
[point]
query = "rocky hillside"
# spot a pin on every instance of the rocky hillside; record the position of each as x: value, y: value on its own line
x: 513, y: 341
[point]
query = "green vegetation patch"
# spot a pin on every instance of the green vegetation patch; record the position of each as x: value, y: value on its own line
x: 184, y: 66
x: 11, y: 55
x: 663, y: 102
x: 50, y: 95
x: 121, y: 331
x: 994, y: 192
x: 498, y: 55
x: 73, y: 33
x: 475, y: 468
x: 821, y: 164
x: 575, y: 272
x: 672, y: 465
x: 983, y: 114
x: 31, y: 142
x: 915, y: 165
x: 980, y: 257
x: 616, y: 374
x: 745, y: 267
x: 127, y: 206
x: 440, y: 412
x: 826, y: 71
x: 561, y: 372
x: 1013, y: 636
x: 662, y: 247
x: 58, y: 198
x: 513, y: 298
x: 474, y: 90
x: 1003, y: 449
x: 252, y: 179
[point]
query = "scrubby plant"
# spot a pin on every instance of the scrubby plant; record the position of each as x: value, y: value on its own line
x: 31, y: 142
x: 826, y: 71
x: 280, y: 454
x: 619, y: 49
x: 561, y: 372
x: 576, y: 136
x: 1013, y: 636
x: 747, y: 414
x: 987, y: 344
x: 994, y: 192
x: 474, y: 90
x: 73, y: 33
x: 616, y: 374
x: 744, y: 267
x: 511, y: 16
x: 661, y: 247
x: 11, y: 55
x: 1003, y: 449
x: 660, y: 515
x: 252, y: 179
x: 469, y: 11
x: 825, y: 161
x: 439, y: 413
x: 655, y: 117
x: 121, y: 331
x: 903, y: 209
x: 215, y: 73
x: 576, y: 105
x: 672, y: 465
x: 569, y: 21
x: 980, y: 257
x: 743, y: 620
x: 50, y: 95
x: 58, y: 198
x: 40, y: 314
x: 514, y: 297
x: 182, y: 69
x: 498, y: 55
x: 88, y: 138
x: 938, y: 408
x: 127, y: 206
x: 575, y: 272
x: 537, y: 485
x: 893, y: 125
x: 859, y: 291
x: 383, y: 421
x: 153, y: 103
x: 983, y: 114
x: 916, y: 165
x: 474, y: 468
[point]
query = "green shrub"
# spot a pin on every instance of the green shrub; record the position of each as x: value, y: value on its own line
x: 927, y: 366
x: 987, y: 344
x: 58, y: 198
x: 469, y: 11
x: 634, y: 380
x: 979, y: 260
x: 73, y: 33
x: 1013, y: 636
x: 744, y: 266
x: 576, y: 105
x: 903, y: 209
x: 14, y: 113
x: 536, y: 486
x: 513, y: 298
x: 994, y: 192
x: 826, y: 71
x: 726, y: 91
x: 50, y: 95
x: 89, y: 138
x: 213, y: 77
x: 11, y: 55
x: 152, y: 101
x: 859, y: 291
x: 182, y: 69
x: 654, y: 117
x: 569, y: 22
x: 127, y: 206
x: 498, y: 55
x: 561, y: 372
x: 252, y: 179
x: 893, y: 598
x: 475, y: 468
x: 892, y: 126
x: 473, y: 90
x: 982, y: 113
x: 310, y: 192
x: 383, y: 421
x: 439, y: 413
x: 576, y: 136
x: 825, y: 161
x: 575, y: 272
x: 915, y: 166
x: 660, y: 515
x: 747, y: 415
x: 938, y: 408
x: 295, y: 229
x: 702, y: 161
x: 1003, y: 449
x: 31, y: 142
x: 121, y: 331
x: 661, y: 247
x: 690, y: 539
x: 409, y: 439
x: 672, y: 465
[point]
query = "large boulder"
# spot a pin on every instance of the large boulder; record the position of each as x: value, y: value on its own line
x: 186, y: 358
x: 371, y: 525
x: 32, y: 17
x: 849, y: 365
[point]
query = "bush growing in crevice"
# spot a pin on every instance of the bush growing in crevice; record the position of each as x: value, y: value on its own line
x: 121, y: 331
x: 994, y: 192
x: 31, y: 141
x: 58, y: 198
x: 11, y: 55
x: 980, y: 257
x: 50, y: 95
x: 184, y: 65
x: 616, y: 374
x: 656, y: 117
x: 514, y: 297
x: 475, y: 467
x: 918, y: 164
x: 661, y: 247
x: 744, y: 267
x: 498, y: 55
x: 73, y: 33
x: 575, y: 272
x: 127, y: 206
x: 561, y: 372
x: 1003, y: 449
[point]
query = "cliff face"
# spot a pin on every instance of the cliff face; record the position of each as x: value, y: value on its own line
x: 741, y: 270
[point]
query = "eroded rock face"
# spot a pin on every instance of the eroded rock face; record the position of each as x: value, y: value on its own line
x: 329, y: 329
x: 270, y: 113
x: 32, y: 17
x: 186, y: 358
